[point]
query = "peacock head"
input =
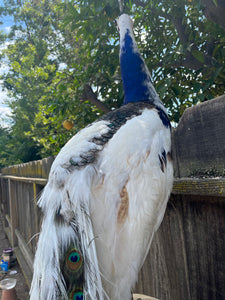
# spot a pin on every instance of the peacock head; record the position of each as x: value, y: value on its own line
x: 136, y: 78
x: 123, y: 22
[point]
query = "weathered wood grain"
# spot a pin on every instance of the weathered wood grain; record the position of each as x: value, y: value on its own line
x: 142, y: 297
x: 40, y: 181
x: 38, y: 169
x: 27, y: 272
x: 28, y: 255
x: 199, y: 140
x: 199, y: 186
x: 186, y: 259
x: 14, y: 217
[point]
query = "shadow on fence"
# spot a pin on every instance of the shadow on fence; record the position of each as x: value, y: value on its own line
x: 186, y: 259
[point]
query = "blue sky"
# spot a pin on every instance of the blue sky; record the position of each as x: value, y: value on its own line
x: 4, y: 109
x: 7, y: 21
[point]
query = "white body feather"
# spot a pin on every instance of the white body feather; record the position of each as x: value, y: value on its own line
x: 121, y: 245
x: 122, y: 248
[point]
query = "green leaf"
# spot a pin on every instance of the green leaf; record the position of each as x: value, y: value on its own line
x: 198, y: 55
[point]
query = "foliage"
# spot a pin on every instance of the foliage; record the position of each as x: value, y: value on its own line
x: 63, y: 59
x: 5, y: 149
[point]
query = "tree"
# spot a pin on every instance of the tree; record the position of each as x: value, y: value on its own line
x: 64, y: 62
x: 5, y: 151
x: 30, y: 71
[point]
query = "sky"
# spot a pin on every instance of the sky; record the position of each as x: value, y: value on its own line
x: 4, y: 109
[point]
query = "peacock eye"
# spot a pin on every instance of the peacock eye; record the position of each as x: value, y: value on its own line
x: 74, y: 257
x: 78, y: 296
x: 74, y: 260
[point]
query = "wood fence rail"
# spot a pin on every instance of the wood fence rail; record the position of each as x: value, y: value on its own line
x: 186, y: 260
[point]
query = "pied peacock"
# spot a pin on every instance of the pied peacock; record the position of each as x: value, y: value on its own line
x: 107, y: 193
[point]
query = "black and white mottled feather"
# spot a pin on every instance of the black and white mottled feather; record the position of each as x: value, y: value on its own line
x: 107, y: 193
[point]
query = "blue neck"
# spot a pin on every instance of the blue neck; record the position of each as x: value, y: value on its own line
x: 137, y: 82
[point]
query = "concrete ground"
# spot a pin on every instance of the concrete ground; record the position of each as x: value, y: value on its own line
x: 22, y: 289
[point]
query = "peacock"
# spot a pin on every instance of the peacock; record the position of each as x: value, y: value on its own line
x: 107, y: 193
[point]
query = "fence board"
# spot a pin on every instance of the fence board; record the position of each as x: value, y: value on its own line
x: 40, y: 181
x: 186, y: 257
x: 198, y: 186
x: 199, y: 140
x: 27, y: 253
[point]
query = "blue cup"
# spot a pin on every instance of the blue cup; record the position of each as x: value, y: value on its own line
x: 4, y: 266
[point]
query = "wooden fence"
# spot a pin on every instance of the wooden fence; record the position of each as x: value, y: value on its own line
x: 187, y: 258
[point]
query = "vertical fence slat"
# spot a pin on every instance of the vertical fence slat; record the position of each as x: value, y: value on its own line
x: 13, y: 211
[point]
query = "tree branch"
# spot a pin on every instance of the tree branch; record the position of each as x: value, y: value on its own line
x: 212, y: 12
x: 91, y: 96
x: 215, y: 13
x: 190, y: 61
x: 186, y: 62
x: 140, y: 3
